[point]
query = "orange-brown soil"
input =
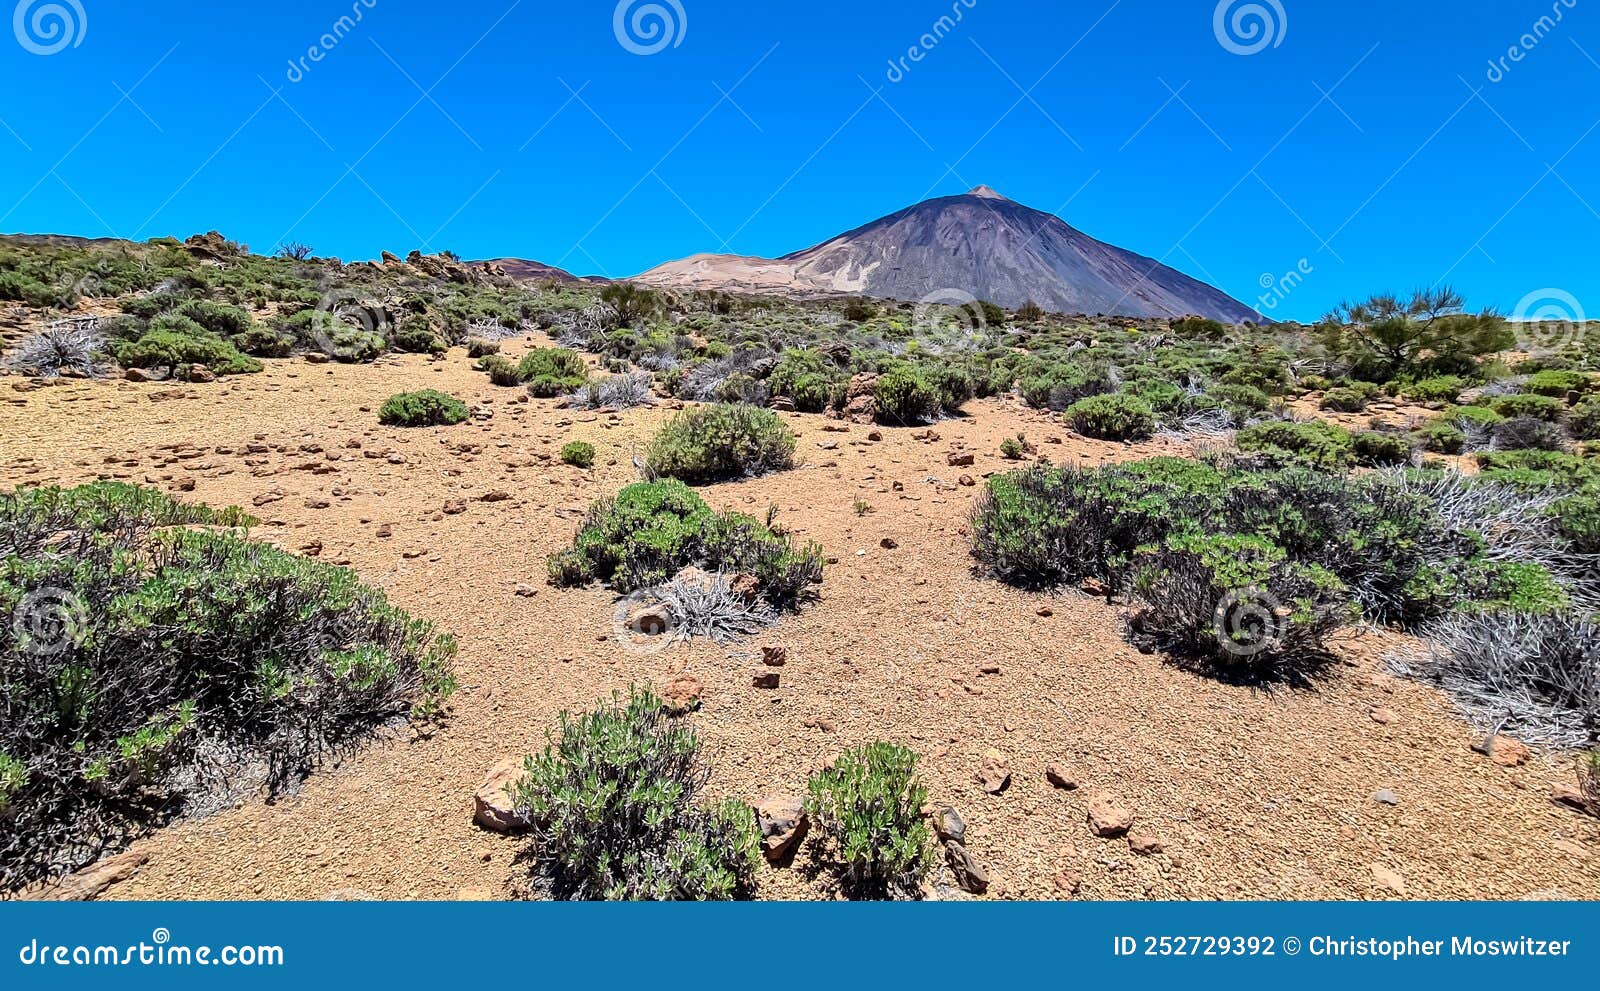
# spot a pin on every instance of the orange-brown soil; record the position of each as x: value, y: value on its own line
x: 1253, y: 795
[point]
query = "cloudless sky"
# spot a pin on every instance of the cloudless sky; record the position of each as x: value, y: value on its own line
x: 1366, y: 146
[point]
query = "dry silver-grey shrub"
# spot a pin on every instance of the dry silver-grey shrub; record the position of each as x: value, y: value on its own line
x: 1538, y: 675
x: 707, y: 606
x: 614, y: 392
x: 67, y: 345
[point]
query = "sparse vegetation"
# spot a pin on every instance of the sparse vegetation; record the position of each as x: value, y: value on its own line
x: 615, y: 812
x: 427, y: 408
x: 156, y: 652
x: 579, y: 454
x: 869, y: 807
x: 714, y: 443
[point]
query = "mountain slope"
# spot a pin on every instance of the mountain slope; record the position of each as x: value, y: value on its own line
x: 979, y: 243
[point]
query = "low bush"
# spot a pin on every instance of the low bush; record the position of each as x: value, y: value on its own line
x: 501, y: 370
x: 1440, y: 389
x: 653, y: 530
x: 715, y: 443
x: 151, y: 651
x: 477, y: 347
x: 1535, y: 407
x: 1442, y: 438
x: 615, y: 813
x: 1533, y: 674
x: 1325, y: 445
x: 868, y: 807
x: 1372, y: 447
x: 579, y: 454
x: 1530, y: 433
x: 1584, y: 420
x: 1557, y: 383
x: 614, y: 392
x: 173, y: 344
x: 552, y: 372
x: 1240, y: 398
x: 1236, y: 604
x: 427, y: 408
x: 1344, y: 401
x: 1117, y: 416
x: 808, y: 378
x: 905, y: 396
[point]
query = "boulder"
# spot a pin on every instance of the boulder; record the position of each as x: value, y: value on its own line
x: 493, y: 806
x: 1107, y: 819
x: 1061, y: 777
x: 783, y: 824
x: 969, y: 874
x: 994, y: 774
x: 950, y: 826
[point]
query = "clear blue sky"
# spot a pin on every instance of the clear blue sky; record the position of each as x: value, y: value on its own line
x: 1399, y: 176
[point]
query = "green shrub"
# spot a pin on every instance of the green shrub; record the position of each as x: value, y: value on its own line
x: 217, y: 319
x: 1325, y: 445
x: 427, y: 408
x: 477, y: 347
x: 714, y: 443
x: 1442, y: 438
x: 1537, y: 407
x: 415, y: 333
x: 1584, y: 420
x: 1344, y: 401
x: 953, y: 385
x: 1439, y: 389
x: 1373, y: 447
x: 174, y: 343
x: 652, y: 530
x: 614, y: 809
x: 552, y: 372
x: 579, y: 454
x: 1237, y: 604
x: 500, y: 369
x: 15, y: 287
x: 905, y: 396
x: 1242, y: 398
x: 868, y: 806
x: 807, y: 377
x: 1477, y: 416
x: 1522, y: 587
x: 152, y: 637
x: 1011, y: 449
x: 1116, y: 416
x: 1557, y: 383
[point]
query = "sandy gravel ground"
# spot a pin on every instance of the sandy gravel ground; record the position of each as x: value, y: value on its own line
x: 1251, y: 795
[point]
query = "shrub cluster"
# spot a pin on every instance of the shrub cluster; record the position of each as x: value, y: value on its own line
x: 868, y: 806
x: 1116, y: 416
x: 154, y: 651
x: 427, y: 408
x: 578, y: 454
x: 715, y: 443
x: 653, y: 530
x: 614, y: 810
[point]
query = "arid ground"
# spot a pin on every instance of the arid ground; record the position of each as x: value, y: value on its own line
x: 1251, y: 795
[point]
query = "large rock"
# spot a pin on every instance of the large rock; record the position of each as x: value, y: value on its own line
x: 90, y: 882
x: 1107, y: 819
x: 494, y: 807
x: 994, y: 774
x: 968, y: 872
x: 783, y: 824
x: 950, y: 826
x: 682, y: 694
